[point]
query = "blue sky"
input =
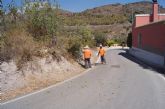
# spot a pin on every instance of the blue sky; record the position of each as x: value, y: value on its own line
x: 80, y: 5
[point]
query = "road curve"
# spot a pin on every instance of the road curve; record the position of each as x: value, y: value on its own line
x: 123, y: 83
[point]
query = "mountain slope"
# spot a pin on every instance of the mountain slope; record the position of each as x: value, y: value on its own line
x: 119, y: 17
x: 137, y: 7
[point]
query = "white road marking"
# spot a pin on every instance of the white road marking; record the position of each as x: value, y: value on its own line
x: 48, y: 88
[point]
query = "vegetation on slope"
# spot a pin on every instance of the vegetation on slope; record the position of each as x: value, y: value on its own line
x: 26, y: 33
x: 110, y: 14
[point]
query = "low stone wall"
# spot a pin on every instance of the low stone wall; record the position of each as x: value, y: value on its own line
x: 148, y: 57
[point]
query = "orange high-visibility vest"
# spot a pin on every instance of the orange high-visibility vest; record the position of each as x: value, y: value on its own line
x: 87, y: 53
x: 102, y: 52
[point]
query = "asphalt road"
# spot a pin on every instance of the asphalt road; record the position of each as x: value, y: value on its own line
x: 121, y: 84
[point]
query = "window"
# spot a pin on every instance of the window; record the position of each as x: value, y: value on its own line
x: 139, y: 40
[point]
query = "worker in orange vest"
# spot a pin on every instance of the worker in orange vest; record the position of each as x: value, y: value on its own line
x: 101, y: 53
x: 87, y: 56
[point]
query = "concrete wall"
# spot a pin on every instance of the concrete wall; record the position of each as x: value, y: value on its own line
x: 148, y: 57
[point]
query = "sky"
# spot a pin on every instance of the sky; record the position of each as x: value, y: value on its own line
x: 81, y: 5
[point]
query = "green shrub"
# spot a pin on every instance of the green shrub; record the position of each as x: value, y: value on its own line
x: 100, y: 38
x: 129, y: 40
x: 86, y: 36
x: 111, y: 42
x: 43, y: 23
x: 82, y: 37
x: 75, y: 50
x: 120, y: 39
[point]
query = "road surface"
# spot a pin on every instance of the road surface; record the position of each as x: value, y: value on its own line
x: 121, y: 84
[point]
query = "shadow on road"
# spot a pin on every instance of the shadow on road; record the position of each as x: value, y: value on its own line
x: 141, y: 63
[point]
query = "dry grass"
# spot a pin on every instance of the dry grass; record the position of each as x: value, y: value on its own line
x: 39, y: 82
x: 19, y: 46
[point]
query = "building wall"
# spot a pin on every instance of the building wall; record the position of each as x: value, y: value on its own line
x: 152, y: 37
x: 142, y: 20
x: 161, y: 17
x: 148, y: 33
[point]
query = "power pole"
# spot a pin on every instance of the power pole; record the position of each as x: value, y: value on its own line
x: 132, y: 16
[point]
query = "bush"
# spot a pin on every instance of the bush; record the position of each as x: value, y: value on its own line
x: 43, y: 23
x: 129, y: 40
x: 120, y: 39
x: 111, y: 42
x: 17, y: 45
x: 100, y: 38
x: 75, y: 50
x: 82, y: 37
x: 86, y: 36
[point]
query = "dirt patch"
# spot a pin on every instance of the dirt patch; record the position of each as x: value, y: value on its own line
x: 34, y: 76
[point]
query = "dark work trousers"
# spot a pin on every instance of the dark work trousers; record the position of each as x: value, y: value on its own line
x: 87, y: 63
x: 103, y: 59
